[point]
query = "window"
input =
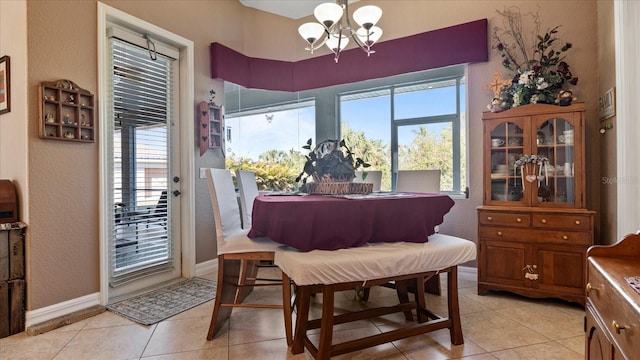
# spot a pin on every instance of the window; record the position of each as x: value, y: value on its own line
x: 411, y: 126
x: 268, y: 141
x: 410, y: 121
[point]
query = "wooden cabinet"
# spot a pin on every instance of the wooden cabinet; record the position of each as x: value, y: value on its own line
x: 533, y: 229
x: 612, y: 326
x: 554, y: 133
x: 66, y: 112
x: 12, y: 278
x: 211, y: 127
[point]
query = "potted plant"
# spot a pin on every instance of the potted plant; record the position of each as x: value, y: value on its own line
x: 331, y: 162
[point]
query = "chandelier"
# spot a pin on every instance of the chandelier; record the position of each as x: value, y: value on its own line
x: 334, y: 29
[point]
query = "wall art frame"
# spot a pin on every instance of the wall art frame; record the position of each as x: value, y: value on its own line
x: 5, y: 85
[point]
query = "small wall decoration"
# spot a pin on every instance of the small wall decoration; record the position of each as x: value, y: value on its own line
x: 5, y: 85
x: 607, y: 105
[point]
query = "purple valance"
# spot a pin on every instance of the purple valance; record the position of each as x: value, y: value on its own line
x: 459, y: 44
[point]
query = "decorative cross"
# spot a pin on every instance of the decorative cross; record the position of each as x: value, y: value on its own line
x: 496, y: 85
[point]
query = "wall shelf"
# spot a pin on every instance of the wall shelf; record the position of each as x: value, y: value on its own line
x: 66, y: 112
x: 211, y: 124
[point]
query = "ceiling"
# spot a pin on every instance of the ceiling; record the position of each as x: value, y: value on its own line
x: 294, y: 9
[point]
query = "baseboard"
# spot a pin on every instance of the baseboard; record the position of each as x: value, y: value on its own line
x: 60, y: 310
x: 207, y: 267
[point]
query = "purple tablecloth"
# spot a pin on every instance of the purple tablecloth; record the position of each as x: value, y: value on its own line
x: 328, y: 223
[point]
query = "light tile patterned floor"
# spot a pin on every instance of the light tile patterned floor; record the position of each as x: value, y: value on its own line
x: 495, y: 326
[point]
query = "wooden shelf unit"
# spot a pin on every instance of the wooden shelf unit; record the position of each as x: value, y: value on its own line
x: 534, y: 229
x: 211, y: 124
x: 66, y: 112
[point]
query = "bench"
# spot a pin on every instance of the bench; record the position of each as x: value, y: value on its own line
x: 408, y: 264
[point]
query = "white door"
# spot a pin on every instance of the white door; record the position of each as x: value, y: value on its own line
x: 144, y: 172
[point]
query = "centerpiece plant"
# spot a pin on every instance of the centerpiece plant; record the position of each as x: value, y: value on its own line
x: 536, y: 65
x: 330, y: 161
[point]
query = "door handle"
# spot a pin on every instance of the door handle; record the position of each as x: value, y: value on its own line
x: 176, y: 192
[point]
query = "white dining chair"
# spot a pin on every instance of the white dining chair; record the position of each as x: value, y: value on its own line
x: 248, y: 192
x: 373, y: 176
x: 425, y: 181
x: 234, y: 246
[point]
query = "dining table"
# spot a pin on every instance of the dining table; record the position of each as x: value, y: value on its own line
x: 331, y: 222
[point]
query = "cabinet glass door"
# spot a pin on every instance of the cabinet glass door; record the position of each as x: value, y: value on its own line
x: 507, y: 146
x: 556, y: 182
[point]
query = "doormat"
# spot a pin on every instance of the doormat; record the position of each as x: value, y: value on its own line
x: 161, y: 304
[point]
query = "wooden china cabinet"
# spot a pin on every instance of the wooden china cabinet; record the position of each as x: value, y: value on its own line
x: 533, y: 227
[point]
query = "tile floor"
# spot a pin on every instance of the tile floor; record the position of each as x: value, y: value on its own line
x: 495, y: 326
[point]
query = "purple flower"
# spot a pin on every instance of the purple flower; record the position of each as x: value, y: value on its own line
x: 574, y: 81
x: 500, y: 46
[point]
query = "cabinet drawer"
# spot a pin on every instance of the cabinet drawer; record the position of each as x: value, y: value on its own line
x: 505, y: 219
x: 614, y: 310
x: 535, y: 236
x: 573, y: 222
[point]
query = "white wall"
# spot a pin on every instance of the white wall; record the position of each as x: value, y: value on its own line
x: 13, y: 125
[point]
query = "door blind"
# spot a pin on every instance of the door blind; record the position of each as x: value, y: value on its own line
x: 141, y: 115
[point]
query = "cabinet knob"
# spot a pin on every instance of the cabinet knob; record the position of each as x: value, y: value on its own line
x: 489, y: 218
x: 565, y: 237
x: 499, y: 233
x: 577, y: 222
x: 618, y: 327
x: 544, y: 221
x: 518, y: 220
x: 590, y: 288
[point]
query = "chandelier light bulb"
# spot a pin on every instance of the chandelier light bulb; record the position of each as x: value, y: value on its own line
x: 337, y: 43
x: 311, y: 32
x: 369, y: 37
x: 328, y: 14
x: 367, y: 16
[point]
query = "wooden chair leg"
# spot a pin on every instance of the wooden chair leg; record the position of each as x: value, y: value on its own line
x: 402, y: 289
x: 303, y: 300
x: 433, y: 285
x: 420, y: 302
x: 287, y: 310
x: 248, y: 274
x: 455, y: 331
x: 227, y: 286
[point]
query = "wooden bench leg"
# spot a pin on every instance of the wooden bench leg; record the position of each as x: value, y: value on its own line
x: 455, y: 330
x: 326, y: 327
x: 227, y: 286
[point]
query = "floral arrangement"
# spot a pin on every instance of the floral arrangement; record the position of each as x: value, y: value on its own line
x: 538, y: 72
x: 531, y: 159
x: 542, y: 162
x: 330, y: 161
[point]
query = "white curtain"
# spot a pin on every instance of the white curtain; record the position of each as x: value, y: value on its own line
x: 627, y: 32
